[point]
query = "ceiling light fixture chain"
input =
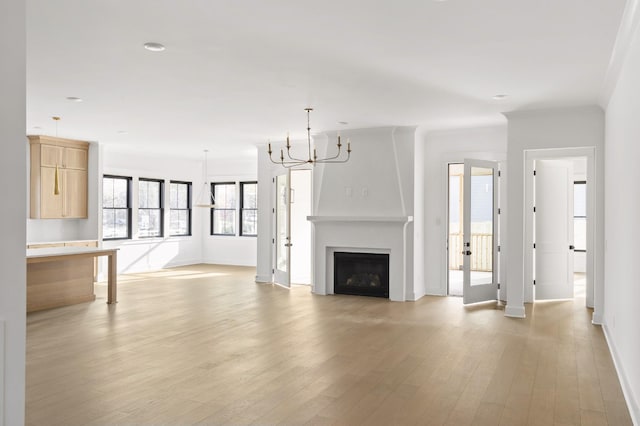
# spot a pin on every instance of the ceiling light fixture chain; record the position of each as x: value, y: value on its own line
x: 292, y: 161
x: 206, y: 198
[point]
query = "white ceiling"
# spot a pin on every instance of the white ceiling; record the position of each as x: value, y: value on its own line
x: 238, y: 72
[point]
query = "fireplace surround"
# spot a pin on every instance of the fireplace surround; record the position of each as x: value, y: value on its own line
x: 361, y: 274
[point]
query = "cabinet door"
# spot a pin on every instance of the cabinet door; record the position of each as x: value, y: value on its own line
x: 51, y: 155
x: 50, y: 203
x: 75, y: 158
x: 75, y: 193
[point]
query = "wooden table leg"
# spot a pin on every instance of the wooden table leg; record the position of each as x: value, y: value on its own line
x: 112, y: 286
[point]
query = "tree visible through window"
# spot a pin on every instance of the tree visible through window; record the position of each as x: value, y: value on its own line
x: 150, y: 205
x: 180, y: 208
x: 223, y: 215
x: 116, y: 207
x: 249, y: 208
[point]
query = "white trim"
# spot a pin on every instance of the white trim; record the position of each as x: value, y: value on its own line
x: 264, y: 279
x: 597, y: 319
x: 514, y: 311
x: 628, y: 26
x: 632, y: 405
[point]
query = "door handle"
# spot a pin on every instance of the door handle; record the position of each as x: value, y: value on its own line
x: 571, y: 247
x: 467, y: 253
x: 288, y: 245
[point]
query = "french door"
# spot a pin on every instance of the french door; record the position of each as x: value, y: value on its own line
x: 480, y: 278
x: 282, y: 237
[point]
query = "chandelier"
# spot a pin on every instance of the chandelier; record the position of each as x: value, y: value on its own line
x: 292, y: 161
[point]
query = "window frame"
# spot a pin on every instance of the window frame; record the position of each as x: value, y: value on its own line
x: 188, y: 209
x: 234, y: 209
x: 129, y: 209
x: 243, y: 208
x: 161, y: 208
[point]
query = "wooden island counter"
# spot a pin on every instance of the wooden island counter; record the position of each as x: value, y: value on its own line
x: 61, y: 276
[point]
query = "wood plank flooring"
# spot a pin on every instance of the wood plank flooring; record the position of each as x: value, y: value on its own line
x: 206, y: 345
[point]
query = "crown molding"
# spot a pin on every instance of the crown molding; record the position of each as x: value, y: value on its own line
x: 628, y: 26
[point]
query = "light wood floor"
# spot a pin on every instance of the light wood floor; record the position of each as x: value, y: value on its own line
x: 206, y: 345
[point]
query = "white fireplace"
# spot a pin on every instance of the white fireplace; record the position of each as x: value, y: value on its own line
x: 362, y: 234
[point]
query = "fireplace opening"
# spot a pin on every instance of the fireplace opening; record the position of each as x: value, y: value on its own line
x: 361, y: 274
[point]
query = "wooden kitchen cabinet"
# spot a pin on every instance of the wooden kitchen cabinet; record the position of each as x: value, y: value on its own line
x: 68, y: 159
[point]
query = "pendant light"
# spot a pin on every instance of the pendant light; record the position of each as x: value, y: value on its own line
x: 205, y: 197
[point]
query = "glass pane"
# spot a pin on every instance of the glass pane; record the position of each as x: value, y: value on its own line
x: 224, y: 222
x: 108, y: 223
x: 120, y: 193
x: 281, y: 222
x: 249, y: 195
x: 249, y: 222
x: 179, y: 222
x: 107, y: 192
x: 149, y: 223
x: 173, y: 195
x: 580, y: 233
x: 183, y: 197
x: 121, y: 223
x: 481, y: 226
x: 148, y: 194
x: 580, y: 199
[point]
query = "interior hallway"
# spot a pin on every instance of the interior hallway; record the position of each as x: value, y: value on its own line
x: 206, y: 345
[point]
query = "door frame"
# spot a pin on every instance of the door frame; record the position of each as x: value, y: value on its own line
x: 274, y: 229
x: 549, y: 154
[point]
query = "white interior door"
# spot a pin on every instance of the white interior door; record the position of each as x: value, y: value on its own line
x: 480, y: 281
x: 282, y: 238
x: 553, y: 232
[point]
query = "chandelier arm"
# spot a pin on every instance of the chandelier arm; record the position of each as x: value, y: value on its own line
x: 296, y: 159
x: 283, y: 162
x: 332, y: 160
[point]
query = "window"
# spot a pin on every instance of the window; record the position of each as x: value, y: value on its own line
x: 580, y: 215
x: 116, y: 207
x: 150, y: 205
x: 179, y: 208
x: 249, y: 208
x: 223, y: 216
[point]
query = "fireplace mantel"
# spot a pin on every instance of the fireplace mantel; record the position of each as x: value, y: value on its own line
x: 363, y: 234
x: 399, y: 219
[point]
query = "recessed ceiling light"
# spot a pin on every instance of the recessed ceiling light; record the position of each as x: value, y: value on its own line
x: 500, y: 97
x: 37, y: 127
x: 74, y: 99
x: 122, y: 132
x: 344, y: 123
x: 154, y: 47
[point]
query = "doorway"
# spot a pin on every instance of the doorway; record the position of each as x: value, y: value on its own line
x: 472, y: 250
x: 571, y: 272
x: 292, y: 200
x: 559, y: 228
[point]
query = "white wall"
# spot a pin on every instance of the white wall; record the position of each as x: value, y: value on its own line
x: 538, y: 130
x: 622, y: 204
x: 52, y: 230
x: 224, y: 249
x: 13, y: 173
x: 440, y: 149
x: 144, y: 254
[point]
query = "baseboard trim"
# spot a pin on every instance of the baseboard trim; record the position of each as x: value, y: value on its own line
x: 634, y: 409
x: 263, y: 278
x: 597, y: 319
x: 514, y: 311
